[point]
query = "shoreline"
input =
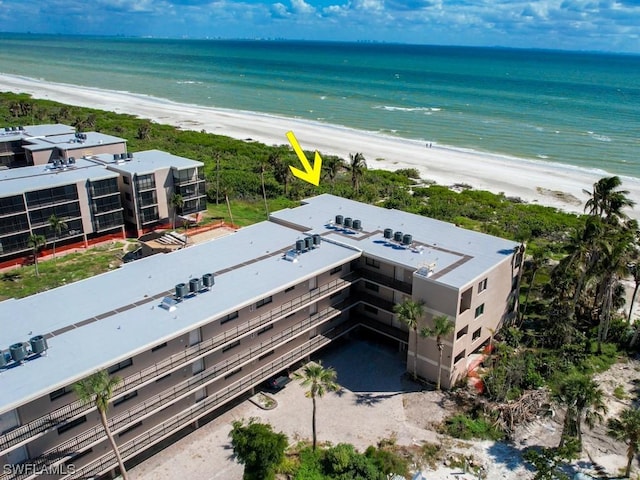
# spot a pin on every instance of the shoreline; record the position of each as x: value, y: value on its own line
x: 534, y: 181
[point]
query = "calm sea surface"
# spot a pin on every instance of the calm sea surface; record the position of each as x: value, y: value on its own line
x: 575, y: 108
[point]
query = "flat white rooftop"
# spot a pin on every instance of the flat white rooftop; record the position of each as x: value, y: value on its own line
x: 459, y: 256
x: 97, y: 322
x: 14, y: 133
x: 147, y: 161
x: 15, y: 181
x: 71, y: 141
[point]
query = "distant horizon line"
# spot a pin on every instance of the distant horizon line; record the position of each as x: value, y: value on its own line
x: 363, y: 42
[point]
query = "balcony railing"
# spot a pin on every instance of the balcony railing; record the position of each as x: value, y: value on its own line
x: 150, y: 406
x: 191, y: 414
x: 385, y: 280
x: 41, y: 425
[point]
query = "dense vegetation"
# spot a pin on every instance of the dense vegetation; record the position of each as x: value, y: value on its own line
x: 262, y: 452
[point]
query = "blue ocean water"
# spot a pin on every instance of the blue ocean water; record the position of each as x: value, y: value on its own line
x: 581, y: 109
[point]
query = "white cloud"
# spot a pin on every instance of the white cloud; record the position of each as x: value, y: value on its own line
x: 302, y: 7
x: 575, y: 24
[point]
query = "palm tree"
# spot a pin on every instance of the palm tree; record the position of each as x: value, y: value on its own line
x: 626, y: 428
x: 35, y: 242
x: 98, y: 390
x: 607, y: 201
x: 613, y: 268
x: 57, y: 225
x: 537, y: 262
x: 442, y: 327
x: 410, y: 312
x: 357, y: 167
x: 177, y: 202
x: 262, y: 167
x: 583, y: 399
x: 332, y: 166
x: 144, y: 131
x: 216, y: 157
x: 319, y: 380
x: 281, y: 170
x: 634, y: 270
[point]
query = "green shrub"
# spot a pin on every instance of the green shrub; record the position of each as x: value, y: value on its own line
x: 464, y: 427
x: 619, y: 392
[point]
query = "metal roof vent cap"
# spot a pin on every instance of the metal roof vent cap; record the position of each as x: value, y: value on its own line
x: 195, y: 285
x: 38, y: 344
x: 208, y: 280
x: 18, y: 351
x: 181, y: 291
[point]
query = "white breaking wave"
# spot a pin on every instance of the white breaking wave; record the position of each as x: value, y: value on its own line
x: 598, y: 137
x: 391, y: 108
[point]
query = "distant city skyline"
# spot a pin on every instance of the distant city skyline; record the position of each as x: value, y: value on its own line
x: 608, y: 25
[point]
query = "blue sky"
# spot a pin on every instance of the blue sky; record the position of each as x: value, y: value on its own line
x: 605, y: 25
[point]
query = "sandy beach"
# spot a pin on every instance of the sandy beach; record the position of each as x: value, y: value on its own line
x: 555, y: 185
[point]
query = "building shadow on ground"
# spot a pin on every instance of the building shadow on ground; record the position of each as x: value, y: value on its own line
x: 371, y: 368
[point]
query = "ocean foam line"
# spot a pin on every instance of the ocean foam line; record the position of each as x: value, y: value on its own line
x: 332, y: 126
x: 391, y: 108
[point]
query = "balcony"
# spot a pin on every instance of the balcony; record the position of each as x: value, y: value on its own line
x: 200, y: 409
x: 385, y: 280
x: 40, y: 426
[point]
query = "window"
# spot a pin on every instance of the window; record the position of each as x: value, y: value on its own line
x: 265, y: 329
x: 460, y: 356
x: 61, y: 392
x: 476, y: 334
x: 465, y: 300
x: 370, y: 309
x: 335, y: 270
x: 231, y: 345
x: 73, y: 423
x: 164, y: 377
x: 370, y: 262
x: 462, y: 332
x: 335, y: 295
x: 158, y: 347
x: 231, y: 374
x: 482, y: 286
x: 129, y: 429
x: 228, y: 318
x: 120, y: 366
x: 371, y: 286
x: 127, y: 195
x: 105, y: 186
x: 128, y: 396
x: 289, y: 289
x: 126, y: 180
x: 479, y: 310
x: 146, y: 182
x: 264, y: 301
